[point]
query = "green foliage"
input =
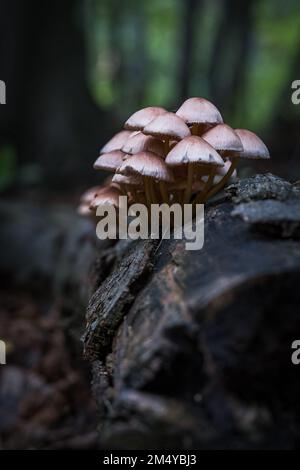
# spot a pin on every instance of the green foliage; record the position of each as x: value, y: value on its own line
x: 276, y: 41
x: 135, y: 49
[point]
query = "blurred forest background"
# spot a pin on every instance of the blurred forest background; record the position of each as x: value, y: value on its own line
x: 75, y: 70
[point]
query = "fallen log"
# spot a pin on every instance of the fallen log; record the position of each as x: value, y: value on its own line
x: 188, y: 349
x: 193, y: 349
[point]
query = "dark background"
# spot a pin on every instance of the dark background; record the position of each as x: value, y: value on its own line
x: 75, y: 70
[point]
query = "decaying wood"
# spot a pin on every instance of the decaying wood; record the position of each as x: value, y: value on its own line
x: 188, y: 349
x: 193, y: 349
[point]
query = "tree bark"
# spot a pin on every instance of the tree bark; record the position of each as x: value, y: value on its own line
x: 193, y: 349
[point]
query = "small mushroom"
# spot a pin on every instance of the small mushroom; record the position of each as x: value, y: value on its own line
x: 109, y: 161
x: 152, y: 168
x: 130, y: 185
x: 227, y: 143
x: 141, y: 118
x: 200, y: 114
x: 89, y: 194
x: 108, y: 197
x: 85, y: 210
x: 167, y: 127
x: 143, y: 143
x: 116, y: 142
x: 224, y: 139
x: 194, y: 151
x: 86, y: 199
x: 253, y: 148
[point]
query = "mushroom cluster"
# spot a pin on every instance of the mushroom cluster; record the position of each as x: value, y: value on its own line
x: 164, y: 157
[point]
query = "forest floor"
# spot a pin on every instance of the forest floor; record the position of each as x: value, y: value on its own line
x: 45, y: 399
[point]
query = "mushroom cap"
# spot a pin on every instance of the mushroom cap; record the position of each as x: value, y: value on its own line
x: 199, y: 111
x: 223, y: 138
x: 146, y: 164
x: 194, y: 149
x: 140, y: 142
x: 169, y: 126
x: 109, y: 161
x: 142, y: 117
x: 89, y: 194
x: 84, y: 209
x: 110, y: 197
x: 116, y: 142
x: 132, y: 180
x: 253, y: 145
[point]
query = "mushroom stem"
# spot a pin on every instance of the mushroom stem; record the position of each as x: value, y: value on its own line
x: 141, y: 197
x: 133, y: 194
x: 166, y: 146
x: 223, y: 181
x: 153, y: 192
x: 147, y: 191
x: 194, y: 129
x: 200, y: 198
x: 189, y: 184
x: 123, y: 189
x: 164, y: 192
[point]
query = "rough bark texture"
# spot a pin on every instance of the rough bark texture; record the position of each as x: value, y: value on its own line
x: 193, y: 349
x: 188, y: 349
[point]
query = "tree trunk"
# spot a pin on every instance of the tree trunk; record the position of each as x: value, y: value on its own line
x: 50, y: 118
x: 189, y: 17
x: 230, y: 54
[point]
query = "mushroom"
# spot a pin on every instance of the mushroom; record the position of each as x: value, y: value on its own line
x: 129, y: 184
x: 142, y: 143
x: 151, y: 167
x: 155, y: 140
x: 89, y: 194
x: 109, y: 161
x: 227, y: 143
x: 224, y: 139
x: 85, y: 210
x: 167, y: 127
x: 253, y: 148
x: 108, y: 197
x: 193, y: 151
x: 141, y: 118
x: 86, y: 199
x: 200, y: 114
x: 116, y: 142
